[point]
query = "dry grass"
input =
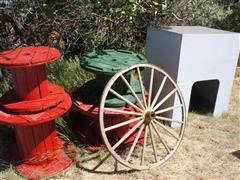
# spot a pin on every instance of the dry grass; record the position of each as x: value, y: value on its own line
x: 205, y: 152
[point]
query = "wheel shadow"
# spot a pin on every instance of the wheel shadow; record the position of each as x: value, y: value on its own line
x: 98, y: 165
x: 236, y: 154
x: 90, y: 155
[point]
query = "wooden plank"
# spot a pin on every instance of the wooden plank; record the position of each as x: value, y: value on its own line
x: 39, y: 139
x: 32, y: 84
x: 20, y: 82
x: 25, y: 141
x: 42, y: 81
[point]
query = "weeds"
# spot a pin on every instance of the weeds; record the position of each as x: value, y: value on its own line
x: 5, y: 81
x: 68, y: 73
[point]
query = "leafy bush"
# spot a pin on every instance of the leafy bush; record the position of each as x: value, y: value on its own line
x: 75, y: 27
x: 202, y: 13
x: 78, y: 26
x: 232, y: 21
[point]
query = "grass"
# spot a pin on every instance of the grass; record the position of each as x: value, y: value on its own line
x: 68, y: 73
x: 5, y: 80
x: 207, y: 150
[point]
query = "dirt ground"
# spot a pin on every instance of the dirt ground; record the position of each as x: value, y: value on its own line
x: 210, y: 150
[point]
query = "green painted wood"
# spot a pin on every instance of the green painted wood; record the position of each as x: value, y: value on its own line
x: 110, y: 61
x: 105, y: 64
x: 91, y: 93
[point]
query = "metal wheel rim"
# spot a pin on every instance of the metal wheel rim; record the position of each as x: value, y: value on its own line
x: 102, y: 126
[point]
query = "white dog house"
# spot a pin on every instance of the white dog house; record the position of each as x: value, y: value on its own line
x: 201, y: 60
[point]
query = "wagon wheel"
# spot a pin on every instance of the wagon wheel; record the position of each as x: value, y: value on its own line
x: 154, y: 140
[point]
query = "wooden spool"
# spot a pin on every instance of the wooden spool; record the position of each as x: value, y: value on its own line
x: 31, y: 108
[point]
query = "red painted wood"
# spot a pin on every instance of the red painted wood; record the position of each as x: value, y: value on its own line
x: 57, y: 162
x: 31, y: 108
x: 25, y: 141
x: 40, y: 140
x: 9, y: 103
x: 28, y: 56
x: 49, y: 132
x: 90, y: 113
x: 41, y: 117
x: 19, y: 74
x: 53, y: 136
x: 33, y: 142
x: 30, y: 83
x: 42, y: 81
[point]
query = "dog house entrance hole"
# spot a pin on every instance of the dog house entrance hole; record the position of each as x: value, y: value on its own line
x: 203, y: 96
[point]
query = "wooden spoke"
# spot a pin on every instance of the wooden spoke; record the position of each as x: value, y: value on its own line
x: 127, y: 135
x: 159, y: 92
x: 168, y: 109
x: 153, y: 143
x: 161, y: 138
x: 164, y: 99
x: 144, y: 145
x: 122, y: 124
x: 132, y: 91
x: 168, y: 119
x: 123, y: 112
x: 173, y: 133
x: 124, y: 99
x: 142, y: 87
x: 150, y: 88
x: 135, y: 142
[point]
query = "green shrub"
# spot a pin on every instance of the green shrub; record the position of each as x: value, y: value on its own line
x: 80, y: 26
x: 202, y: 13
x: 232, y: 21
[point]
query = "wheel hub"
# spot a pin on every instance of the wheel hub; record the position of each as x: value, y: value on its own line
x: 149, y: 116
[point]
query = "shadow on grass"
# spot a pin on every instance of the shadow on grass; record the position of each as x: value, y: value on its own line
x: 95, y: 168
x: 7, y: 139
x: 76, y: 129
x: 236, y: 154
x: 201, y: 111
